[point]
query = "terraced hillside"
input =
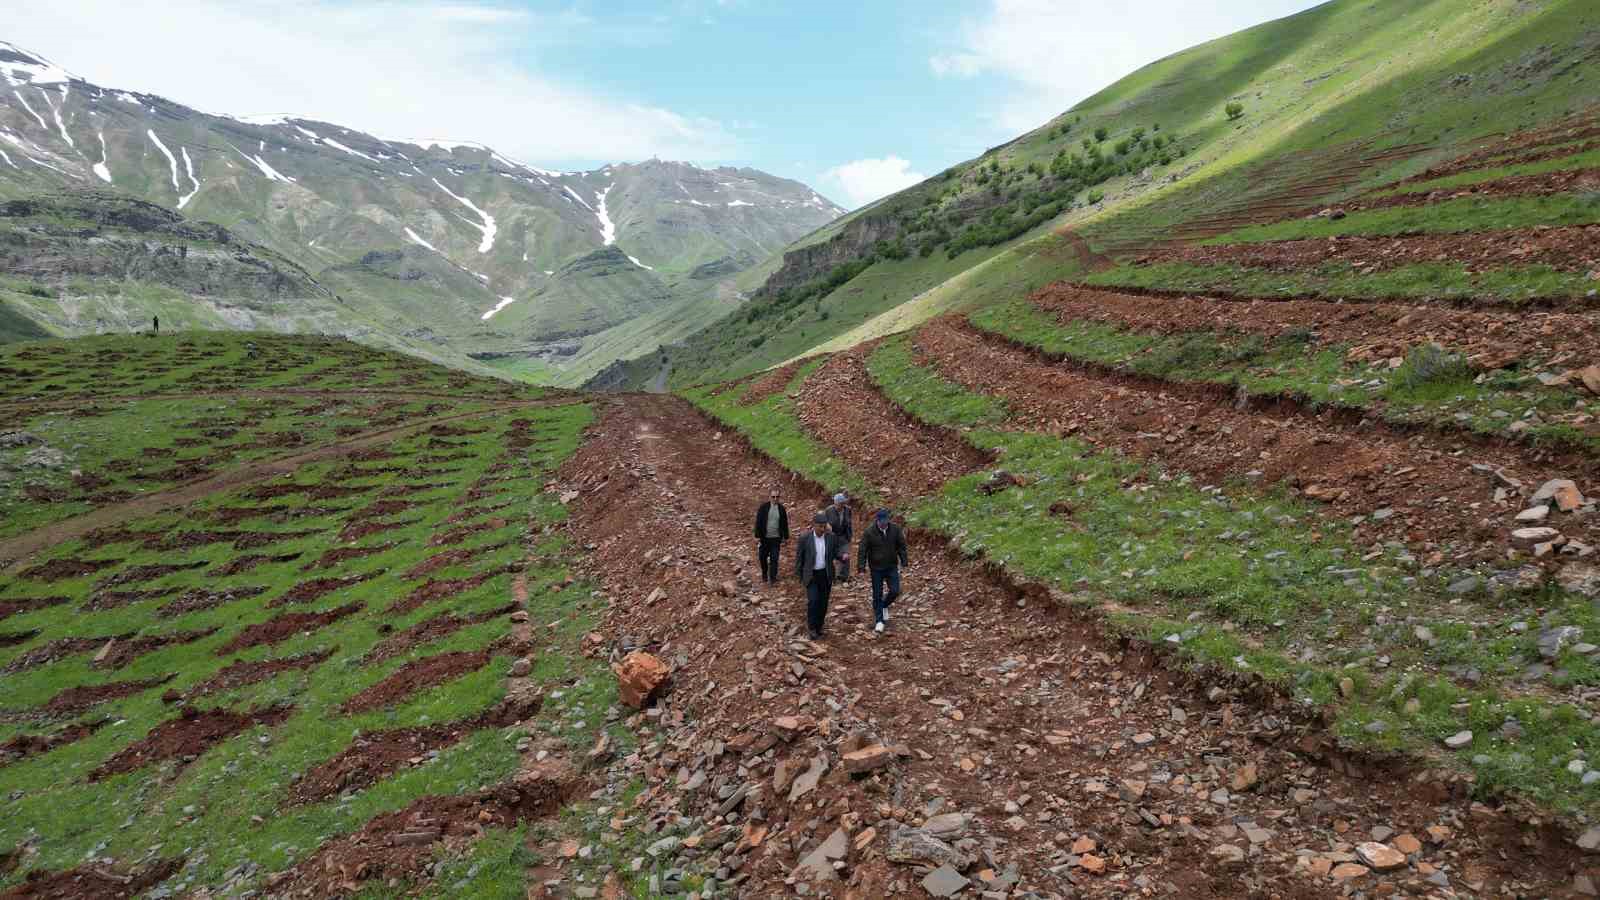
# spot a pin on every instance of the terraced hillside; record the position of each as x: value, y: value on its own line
x: 1350, y: 98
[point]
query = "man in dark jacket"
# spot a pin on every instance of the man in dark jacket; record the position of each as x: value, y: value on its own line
x: 814, y: 556
x: 772, y: 530
x: 840, y: 521
x: 883, y: 551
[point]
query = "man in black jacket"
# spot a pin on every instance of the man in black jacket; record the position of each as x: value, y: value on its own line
x: 814, y: 556
x: 840, y: 522
x: 883, y: 550
x: 772, y: 530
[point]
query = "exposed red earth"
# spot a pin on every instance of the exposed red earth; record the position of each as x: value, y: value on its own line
x: 186, y: 737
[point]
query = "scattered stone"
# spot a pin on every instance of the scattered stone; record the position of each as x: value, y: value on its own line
x: 1553, y: 640
x: 914, y: 846
x: 868, y: 758
x: 944, y: 881
x: 1407, y: 844
x: 1534, y: 514
x: 1381, y: 857
x: 1347, y: 871
x: 521, y: 667
x: 1590, y: 840
x: 1458, y: 740
x: 1580, y: 578
x: 818, y: 864
x: 639, y: 676
x: 1244, y: 778
x: 1562, y: 492
x: 1528, y: 537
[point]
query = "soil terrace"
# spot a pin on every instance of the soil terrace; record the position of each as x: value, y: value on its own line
x: 186, y: 737
x: 994, y: 698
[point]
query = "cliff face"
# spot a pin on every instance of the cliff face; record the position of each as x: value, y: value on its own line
x: 815, y: 260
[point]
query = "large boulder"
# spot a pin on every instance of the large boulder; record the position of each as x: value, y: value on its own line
x: 639, y: 676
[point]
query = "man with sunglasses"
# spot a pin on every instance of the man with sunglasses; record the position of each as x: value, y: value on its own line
x: 772, y: 532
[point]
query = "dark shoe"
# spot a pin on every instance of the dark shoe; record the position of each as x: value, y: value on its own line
x: 815, y: 634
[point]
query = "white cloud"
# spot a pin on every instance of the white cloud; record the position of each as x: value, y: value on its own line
x: 1057, y: 52
x: 865, y: 180
x: 451, y: 69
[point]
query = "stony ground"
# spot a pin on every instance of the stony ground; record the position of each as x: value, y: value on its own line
x: 991, y: 743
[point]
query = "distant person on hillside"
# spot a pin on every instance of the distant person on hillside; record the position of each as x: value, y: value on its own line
x: 155, y: 322
x: 883, y: 551
x: 841, y: 522
x: 772, y: 530
x: 814, y: 556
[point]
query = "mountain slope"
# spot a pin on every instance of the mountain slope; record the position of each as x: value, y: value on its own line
x: 1345, y: 96
x: 493, y: 256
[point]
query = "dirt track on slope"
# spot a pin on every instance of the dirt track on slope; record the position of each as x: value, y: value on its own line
x: 15, y: 551
x: 994, y: 695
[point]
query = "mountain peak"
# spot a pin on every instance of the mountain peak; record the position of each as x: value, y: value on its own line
x: 20, y: 67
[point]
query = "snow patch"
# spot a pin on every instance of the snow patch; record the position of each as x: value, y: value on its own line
x: 42, y: 123
x: 126, y: 97
x: 608, y: 229
x: 308, y: 133
x: 8, y: 160
x: 417, y: 240
x: 578, y: 198
x: 271, y: 173
x: 55, y: 111
x: 172, y: 161
x: 100, y: 168
x: 504, y: 302
x: 31, y: 68
x: 488, y: 227
x: 188, y: 166
x: 549, y: 272
x: 338, y: 146
x: 639, y: 264
x: 739, y: 203
x: 273, y: 119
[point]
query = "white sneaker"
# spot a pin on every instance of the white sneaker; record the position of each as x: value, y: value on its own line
x: 886, y: 615
x: 878, y: 628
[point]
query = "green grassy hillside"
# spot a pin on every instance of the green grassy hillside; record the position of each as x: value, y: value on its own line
x: 1341, y: 98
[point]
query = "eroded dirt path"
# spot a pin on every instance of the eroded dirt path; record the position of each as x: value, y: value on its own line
x: 1075, y: 765
x: 15, y: 551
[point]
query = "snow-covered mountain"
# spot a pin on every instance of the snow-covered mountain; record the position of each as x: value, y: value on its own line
x: 442, y: 244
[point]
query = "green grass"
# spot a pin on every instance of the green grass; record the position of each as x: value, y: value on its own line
x: 1449, y: 217
x: 926, y: 396
x: 205, y: 810
x: 1576, y: 162
x: 1511, y: 285
x: 1431, y: 387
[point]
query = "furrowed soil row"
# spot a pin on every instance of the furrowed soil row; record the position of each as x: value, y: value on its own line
x: 992, y: 697
x: 417, y: 676
x: 1374, y: 331
x: 1546, y: 185
x: 1567, y: 249
x: 283, y: 627
x: 19, y: 548
x: 432, y: 629
x: 1435, y: 496
x: 186, y: 737
x: 242, y: 673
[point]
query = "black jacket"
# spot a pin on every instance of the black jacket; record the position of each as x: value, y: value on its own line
x: 805, y: 555
x: 761, y: 521
x: 839, y: 519
x: 882, y: 549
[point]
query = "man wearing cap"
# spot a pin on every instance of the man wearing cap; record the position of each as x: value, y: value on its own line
x: 840, y: 521
x: 814, y: 556
x: 883, y: 551
x: 772, y: 529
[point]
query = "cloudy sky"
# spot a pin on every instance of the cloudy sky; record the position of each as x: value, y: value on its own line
x: 858, y: 99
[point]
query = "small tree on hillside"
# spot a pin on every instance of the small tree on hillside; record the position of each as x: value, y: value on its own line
x: 1100, y: 134
x: 1234, y: 111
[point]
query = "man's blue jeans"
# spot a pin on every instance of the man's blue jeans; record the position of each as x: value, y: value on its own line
x: 879, y: 601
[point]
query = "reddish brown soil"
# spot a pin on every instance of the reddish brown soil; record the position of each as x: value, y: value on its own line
x: 473, y: 512
x: 255, y: 540
x: 12, y: 606
x: 451, y: 558
x: 405, y: 490
x: 431, y: 826
x: 102, y: 600
x: 430, y: 630
x: 126, y: 651
x: 187, y: 737
x: 13, y: 638
x: 434, y: 591
x: 1548, y: 184
x: 997, y: 694
x: 79, y: 699
x: 770, y: 383
x: 63, y: 569
x: 1374, y: 331
x: 93, y: 882
x: 60, y: 649
x: 106, y: 537
x: 242, y: 673
x: 337, y: 555
x: 1532, y: 145
x: 24, y: 746
x: 1570, y: 249
x: 461, y: 533
x: 317, y: 588
x: 137, y: 574
x: 284, y: 627
x: 415, y: 677
x: 1438, y: 501
x: 381, y: 508
x: 196, y: 599
x: 233, y: 515
x: 902, y: 459
x: 374, y: 756
x: 356, y: 531
x: 241, y: 564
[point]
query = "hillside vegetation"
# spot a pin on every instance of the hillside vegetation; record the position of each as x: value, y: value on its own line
x: 1345, y: 97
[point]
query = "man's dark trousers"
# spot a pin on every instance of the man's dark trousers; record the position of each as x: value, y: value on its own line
x: 770, y: 550
x: 817, y: 593
x: 879, y: 601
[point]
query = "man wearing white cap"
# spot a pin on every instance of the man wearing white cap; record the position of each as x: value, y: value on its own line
x: 840, y: 521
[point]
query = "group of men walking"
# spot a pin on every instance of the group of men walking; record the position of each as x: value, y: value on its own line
x: 822, y: 556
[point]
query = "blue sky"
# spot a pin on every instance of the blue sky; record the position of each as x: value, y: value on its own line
x: 855, y: 98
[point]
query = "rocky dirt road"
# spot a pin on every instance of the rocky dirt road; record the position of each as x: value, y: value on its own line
x: 992, y: 744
